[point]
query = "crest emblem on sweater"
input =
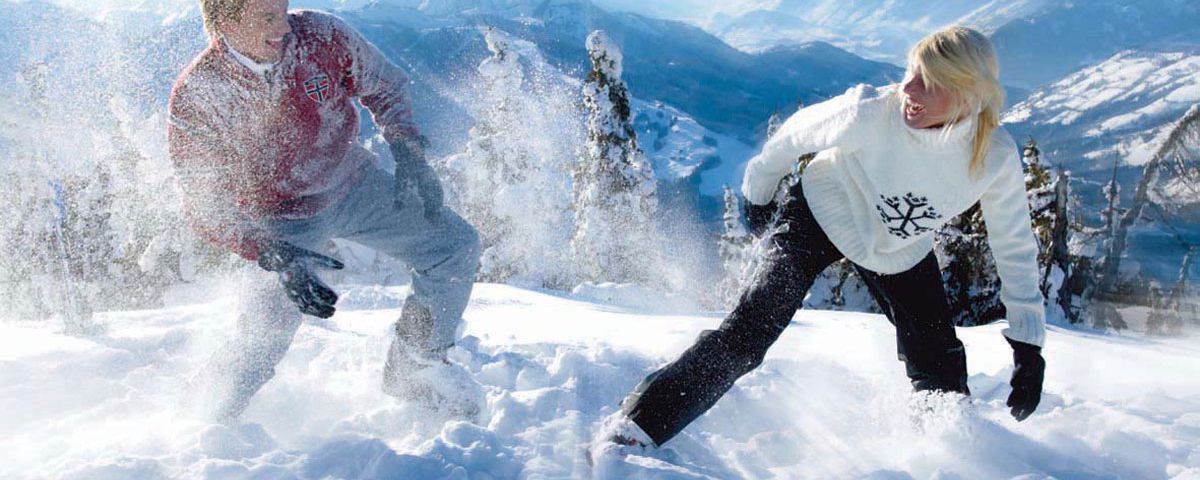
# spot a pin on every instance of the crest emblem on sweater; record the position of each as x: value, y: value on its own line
x: 904, y: 215
x: 318, y: 88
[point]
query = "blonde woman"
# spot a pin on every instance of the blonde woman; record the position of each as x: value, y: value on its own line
x: 894, y: 165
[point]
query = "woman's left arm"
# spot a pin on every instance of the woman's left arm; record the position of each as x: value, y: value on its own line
x: 1010, y: 235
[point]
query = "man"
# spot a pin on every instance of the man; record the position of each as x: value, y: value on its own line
x: 263, y: 136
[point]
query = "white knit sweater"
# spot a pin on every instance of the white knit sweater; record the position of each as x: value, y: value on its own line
x: 880, y: 189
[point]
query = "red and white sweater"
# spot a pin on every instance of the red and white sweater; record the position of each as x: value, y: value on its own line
x: 280, y: 141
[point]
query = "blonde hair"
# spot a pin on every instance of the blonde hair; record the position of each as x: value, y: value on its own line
x: 215, y: 12
x: 962, y: 61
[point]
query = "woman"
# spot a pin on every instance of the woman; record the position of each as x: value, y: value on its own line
x: 894, y: 165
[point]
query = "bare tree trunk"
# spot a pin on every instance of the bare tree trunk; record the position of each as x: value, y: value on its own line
x: 1180, y: 289
x: 1060, y: 252
x: 1141, y: 196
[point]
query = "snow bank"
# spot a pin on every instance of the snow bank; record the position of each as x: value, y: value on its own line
x: 831, y: 401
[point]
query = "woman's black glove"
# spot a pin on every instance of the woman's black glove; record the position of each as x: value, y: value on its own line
x: 758, y: 217
x: 294, y: 266
x: 1026, y: 379
x: 415, y: 178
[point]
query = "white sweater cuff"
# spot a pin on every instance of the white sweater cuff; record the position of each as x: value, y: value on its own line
x: 1026, y: 327
x: 758, y: 188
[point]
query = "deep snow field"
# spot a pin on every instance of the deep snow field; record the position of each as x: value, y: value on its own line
x: 830, y: 402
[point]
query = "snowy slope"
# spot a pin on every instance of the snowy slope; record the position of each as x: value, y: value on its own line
x: 830, y: 402
x: 1116, y: 107
x: 682, y: 150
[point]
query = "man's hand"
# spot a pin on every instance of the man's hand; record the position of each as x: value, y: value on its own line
x: 414, y: 175
x: 294, y: 266
x: 1026, y: 379
x: 758, y: 217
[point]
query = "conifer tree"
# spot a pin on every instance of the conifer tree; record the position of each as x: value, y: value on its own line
x: 510, y: 181
x: 968, y: 271
x: 497, y: 164
x: 615, y: 191
x: 737, y: 250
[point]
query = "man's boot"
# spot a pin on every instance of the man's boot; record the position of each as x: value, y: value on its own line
x: 416, y: 372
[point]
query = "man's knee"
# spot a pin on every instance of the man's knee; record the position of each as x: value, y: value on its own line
x: 457, y: 253
x: 465, y: 260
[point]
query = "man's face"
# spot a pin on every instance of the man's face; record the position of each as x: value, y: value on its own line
x: 261, y: 30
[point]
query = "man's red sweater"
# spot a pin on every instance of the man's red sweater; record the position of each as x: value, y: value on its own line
x: 249, y: 147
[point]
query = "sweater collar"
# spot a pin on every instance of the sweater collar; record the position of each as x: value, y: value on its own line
x: 262, y: 69
x: 957, y: 135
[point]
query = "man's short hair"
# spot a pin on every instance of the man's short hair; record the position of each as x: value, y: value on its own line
x: 218, y: 11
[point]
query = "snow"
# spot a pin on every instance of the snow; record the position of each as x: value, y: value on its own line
x: 1119, y: 105
x: 680, y: 149
x: 830, y: 401
x: 600, y: 46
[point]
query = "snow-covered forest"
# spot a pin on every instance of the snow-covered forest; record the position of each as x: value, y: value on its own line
x: 598, y: 146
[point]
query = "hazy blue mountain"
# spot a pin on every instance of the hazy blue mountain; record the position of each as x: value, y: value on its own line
x: 876, y: 29
x: 1066, y: 35
x: 1117, y: 108
x: 723, y: 88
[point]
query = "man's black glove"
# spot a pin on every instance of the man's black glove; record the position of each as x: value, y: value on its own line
x: 758, y: 217
x: 294, y: 266
x: 415, y: 176
x: 1026, y: 379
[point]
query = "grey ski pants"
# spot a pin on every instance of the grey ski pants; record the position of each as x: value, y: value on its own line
x: 443, y: 257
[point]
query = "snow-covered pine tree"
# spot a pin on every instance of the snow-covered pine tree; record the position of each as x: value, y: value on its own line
x: 1060, y: 295
x: 737, y: 247
x: 1170, y: 181
x: 968, y: 270
x: 1040, y: 188
x: 510, y: 181
x: 85, y: 213
x: 1047, y: 203
x: 615, y: 191
x: 497, y: 164
x: 26, y: 256
x: 60, y: 243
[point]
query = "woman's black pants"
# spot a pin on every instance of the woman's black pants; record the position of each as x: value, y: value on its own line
x: 914, y: 301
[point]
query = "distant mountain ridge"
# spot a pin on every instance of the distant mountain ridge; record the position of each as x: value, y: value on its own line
x: 876, y: 29
x: 1115, y: 108
x: 1065, y: 36
x: 723, y: 88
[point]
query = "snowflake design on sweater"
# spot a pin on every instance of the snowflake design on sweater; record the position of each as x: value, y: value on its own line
x: 902, y: 215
